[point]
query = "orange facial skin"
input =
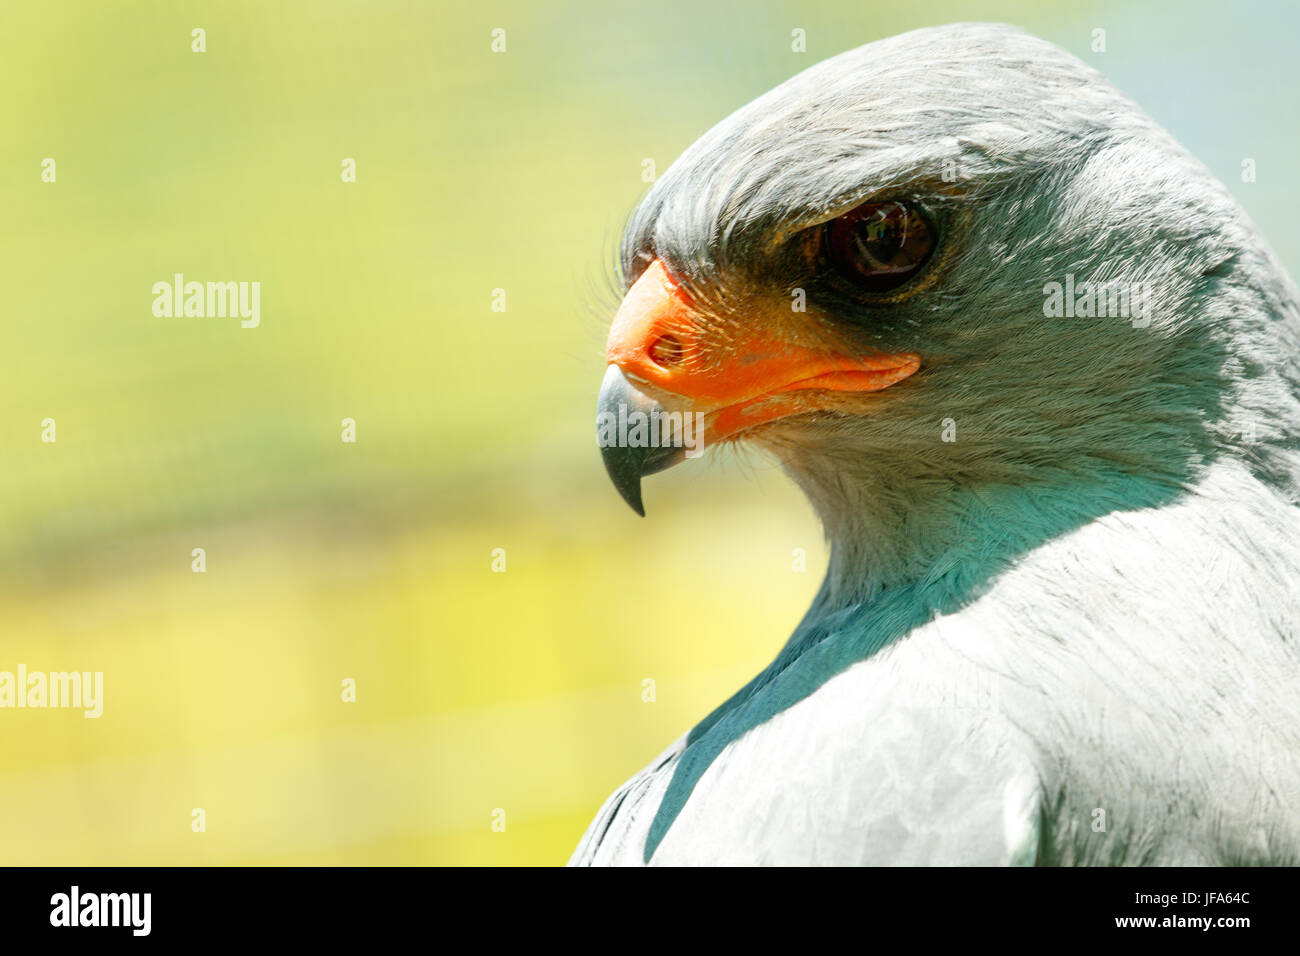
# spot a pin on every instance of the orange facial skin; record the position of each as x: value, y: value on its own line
x: 657, y: 338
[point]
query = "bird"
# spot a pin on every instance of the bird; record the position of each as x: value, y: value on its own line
x: 1036, y: 371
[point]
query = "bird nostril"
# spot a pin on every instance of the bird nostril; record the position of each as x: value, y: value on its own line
x: 666, y: 351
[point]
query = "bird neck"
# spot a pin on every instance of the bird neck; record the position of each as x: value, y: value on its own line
x: 940, y: 539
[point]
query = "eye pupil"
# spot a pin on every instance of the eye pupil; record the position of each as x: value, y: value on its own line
x: 878, y: 240
x: 879, y: 245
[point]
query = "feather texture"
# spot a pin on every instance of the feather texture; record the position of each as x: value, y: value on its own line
x: 1068, y: 636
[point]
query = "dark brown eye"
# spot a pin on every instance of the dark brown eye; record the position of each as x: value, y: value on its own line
x: 879, y: 245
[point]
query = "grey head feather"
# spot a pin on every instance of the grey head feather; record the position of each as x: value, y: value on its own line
x: 1054, y: 173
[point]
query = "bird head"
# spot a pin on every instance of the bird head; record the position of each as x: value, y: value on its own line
x: 880, y: 271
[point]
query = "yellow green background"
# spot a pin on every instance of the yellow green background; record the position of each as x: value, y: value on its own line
x: 521, y: 690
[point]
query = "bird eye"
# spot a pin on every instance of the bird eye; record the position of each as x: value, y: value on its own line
x: 879, y: 245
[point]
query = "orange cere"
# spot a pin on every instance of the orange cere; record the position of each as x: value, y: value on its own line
x: 656, y: 337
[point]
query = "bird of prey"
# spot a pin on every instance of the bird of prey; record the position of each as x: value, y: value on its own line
x: 1037, y: 373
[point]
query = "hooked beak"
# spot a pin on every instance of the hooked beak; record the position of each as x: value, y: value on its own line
x: 669, y: 390
x: 628, y: 463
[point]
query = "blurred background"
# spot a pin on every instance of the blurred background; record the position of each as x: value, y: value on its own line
x: 476, y: 691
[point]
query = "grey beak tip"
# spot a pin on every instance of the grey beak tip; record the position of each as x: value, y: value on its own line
x: 626, y: 481
x: 627, y: 464
x: 632, y: 495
